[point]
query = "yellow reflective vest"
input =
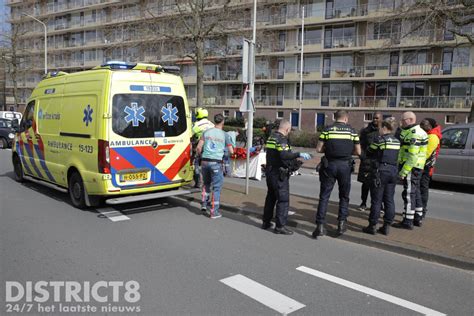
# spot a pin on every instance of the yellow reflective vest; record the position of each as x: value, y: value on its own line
x: 201, y: 126
x: 414, y: 143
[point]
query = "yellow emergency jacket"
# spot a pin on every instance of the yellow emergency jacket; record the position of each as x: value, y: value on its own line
x: 201, y: 126
x: 414, y: 142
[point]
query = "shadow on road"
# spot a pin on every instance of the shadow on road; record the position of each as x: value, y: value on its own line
x: 452, y: 187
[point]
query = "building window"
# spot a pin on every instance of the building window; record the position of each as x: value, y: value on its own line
x: 368, y: 117
x: 450, y: 119
x: 226, y: 113
x: 280, y: 114
x: 414, y: 57
x: 311, y: 37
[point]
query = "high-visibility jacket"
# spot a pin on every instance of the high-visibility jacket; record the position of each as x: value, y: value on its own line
x: 201, y: 126
x: 414, y: 142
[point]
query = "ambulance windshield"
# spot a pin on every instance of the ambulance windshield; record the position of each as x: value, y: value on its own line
x: 148, y: 115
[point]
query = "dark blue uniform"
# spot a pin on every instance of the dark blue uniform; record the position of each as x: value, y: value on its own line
x: 279, y: 156
x: 339, y: 140
x: 384, y: 177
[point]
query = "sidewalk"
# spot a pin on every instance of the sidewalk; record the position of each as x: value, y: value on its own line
x: 441, y: 241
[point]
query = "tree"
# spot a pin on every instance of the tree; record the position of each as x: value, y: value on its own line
x: 454, y: 16
x: 12, y: 58
x: 198, y: 22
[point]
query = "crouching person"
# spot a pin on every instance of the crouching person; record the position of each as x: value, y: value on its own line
x: 384, y: 177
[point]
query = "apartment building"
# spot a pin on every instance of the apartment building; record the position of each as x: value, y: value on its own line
x: 358, y: 55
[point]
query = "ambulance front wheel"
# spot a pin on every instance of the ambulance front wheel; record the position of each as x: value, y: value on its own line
x: 18, y: 169
x: 76, y: 190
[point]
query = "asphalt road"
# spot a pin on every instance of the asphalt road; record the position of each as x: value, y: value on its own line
x: 447, y: 201
x: 187, y: 264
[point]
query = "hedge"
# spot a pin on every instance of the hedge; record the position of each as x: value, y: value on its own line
x: 297, y: 138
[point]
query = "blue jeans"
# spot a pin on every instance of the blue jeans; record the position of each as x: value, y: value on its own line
x: 212, y: 175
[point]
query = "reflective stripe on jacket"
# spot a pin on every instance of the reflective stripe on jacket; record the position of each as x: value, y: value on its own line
x: 414, y: 142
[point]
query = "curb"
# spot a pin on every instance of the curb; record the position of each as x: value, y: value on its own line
x: 407, y: 250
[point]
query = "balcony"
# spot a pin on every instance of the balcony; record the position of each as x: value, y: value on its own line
x: 344, y: 42
x: 387, y: 40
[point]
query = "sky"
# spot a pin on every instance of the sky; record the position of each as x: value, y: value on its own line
x: 4, y: 25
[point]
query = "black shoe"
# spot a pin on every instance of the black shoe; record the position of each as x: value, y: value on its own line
x: 319, y: 231
x: 384, y: 230
x: 266, y: 225
x: 283, y: 231
x: 362, y: 207
x: 405, y: 224
x: 203, y: 209
x: 342, y: 227
x: 418, y: 221
x: 369, y: 230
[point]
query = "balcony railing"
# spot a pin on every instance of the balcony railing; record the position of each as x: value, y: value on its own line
x: 344, y: 41
x: 337, y: 100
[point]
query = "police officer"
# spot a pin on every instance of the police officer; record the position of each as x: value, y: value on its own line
x: 338, y: 142
x: 199, y: 127
x: 279, y: 157
x: 384, y: 175
x: 411, y: 161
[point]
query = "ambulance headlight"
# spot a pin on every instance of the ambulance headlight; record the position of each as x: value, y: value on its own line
x: 11, y: 135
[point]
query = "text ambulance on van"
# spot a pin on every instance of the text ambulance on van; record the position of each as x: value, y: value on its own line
x: 119, y: 129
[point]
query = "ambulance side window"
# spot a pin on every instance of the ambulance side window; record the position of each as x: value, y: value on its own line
x: 27, y: 120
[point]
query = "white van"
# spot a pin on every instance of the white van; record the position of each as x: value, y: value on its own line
x: 10, y: 115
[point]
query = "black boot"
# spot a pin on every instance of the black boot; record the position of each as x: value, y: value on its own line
x: 405, y: 224
x: 418, y: 221
x: 342, y: 227
x: 266, y: 225
x: 369, y: 229
x: 384, y: 230
x: 319, y: 231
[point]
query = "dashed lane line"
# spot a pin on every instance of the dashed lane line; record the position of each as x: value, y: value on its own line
x: 268, y: 297
x: 114, y: 215
x: 381, y: 295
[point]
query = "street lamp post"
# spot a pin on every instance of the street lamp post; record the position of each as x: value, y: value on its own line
x: 45, y: 41
x: 301, y: 69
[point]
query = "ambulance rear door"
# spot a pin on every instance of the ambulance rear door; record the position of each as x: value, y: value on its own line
x: 171, y: 128
x: 133, y: 148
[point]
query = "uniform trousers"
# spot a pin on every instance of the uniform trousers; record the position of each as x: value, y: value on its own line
x: 340, y: 171
x: 278, y: 194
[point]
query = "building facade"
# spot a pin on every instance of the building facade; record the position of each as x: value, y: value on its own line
x: 359, y: 55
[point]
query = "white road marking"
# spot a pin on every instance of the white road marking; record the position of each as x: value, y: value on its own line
x: 441, y: 192
x: 114, y: 216
x: 268, y: 297
x: 367, y: 290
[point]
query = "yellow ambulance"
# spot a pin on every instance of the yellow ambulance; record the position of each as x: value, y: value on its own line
x: 119, y: 132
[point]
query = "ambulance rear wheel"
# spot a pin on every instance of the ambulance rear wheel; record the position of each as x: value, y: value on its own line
x: 18, y: 169
x: 76, y: 191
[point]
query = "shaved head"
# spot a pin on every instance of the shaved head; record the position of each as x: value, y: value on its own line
x: 408, y: 118
x: 285, y: 127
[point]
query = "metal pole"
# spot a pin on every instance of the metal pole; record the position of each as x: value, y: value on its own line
x: 301, y: 68
x: 251, y: 96
x: 45, y: 41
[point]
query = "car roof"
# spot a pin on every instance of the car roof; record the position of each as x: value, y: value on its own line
x: 468, y: 125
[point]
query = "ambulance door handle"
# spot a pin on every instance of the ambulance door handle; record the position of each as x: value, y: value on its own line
x: 164, y: 152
